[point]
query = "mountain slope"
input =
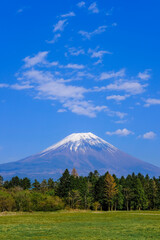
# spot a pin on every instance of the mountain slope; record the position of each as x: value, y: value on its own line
x: 84, y: 151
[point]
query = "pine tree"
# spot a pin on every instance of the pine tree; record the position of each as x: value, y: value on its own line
x: 64, y: 184
x: 44, y: 186
x: 25, y: 183
x: 139, y: 195
x: 51, y: 184
x: 110, y: 189
x: 36, y: 185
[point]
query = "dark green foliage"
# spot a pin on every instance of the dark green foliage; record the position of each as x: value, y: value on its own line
x: 1, y: 181
x: 64, y: 184
x: 36, y: 185
x: 135, y: 192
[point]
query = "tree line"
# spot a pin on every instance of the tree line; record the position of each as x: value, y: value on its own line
x: 95, y: 192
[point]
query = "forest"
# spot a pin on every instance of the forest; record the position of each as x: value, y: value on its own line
x: 71, y: 191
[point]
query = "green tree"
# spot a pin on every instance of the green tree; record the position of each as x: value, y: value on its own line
x: 7, y: 202
x: 36, y: 185
x: 23, y: 201
x: 64, y: 184
x: 140, y: 201
x: 25, y: 183
x: 44, y: 186
x: 51, y: 183
x: 1, y: 181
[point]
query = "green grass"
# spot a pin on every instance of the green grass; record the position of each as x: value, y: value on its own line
x: 80, y: 225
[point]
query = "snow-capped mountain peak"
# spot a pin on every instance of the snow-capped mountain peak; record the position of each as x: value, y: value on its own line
x: 84, y: 151
x: 81, y: 141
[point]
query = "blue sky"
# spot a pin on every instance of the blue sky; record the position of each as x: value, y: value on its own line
x: 79, y: 66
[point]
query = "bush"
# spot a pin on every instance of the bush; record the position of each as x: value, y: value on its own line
x: 7, y: 202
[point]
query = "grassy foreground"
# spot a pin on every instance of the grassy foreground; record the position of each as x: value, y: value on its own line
x: 80, y: 225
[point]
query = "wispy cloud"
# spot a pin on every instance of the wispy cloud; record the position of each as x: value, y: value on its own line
x: 97, y: 31
x: 82, y: 74
x: 76, y: 51
x: 70, y: 14
x: 48, y: 85
x: 95, y: 53
x: 111, y: 113
x: 83, y: 108
x: 55, y: 38
x: 93, y: 8
x: 39, y: 58
x: 151, y: 101
x: 16, y: 86
x: 112, y: 74
x: 74, y: 66
x: 4, y: 85
x: 81, y: 4
x: 148, y: 135
x: 117, y: 98
x: 131, y: 87
x: 60, y: 25
x: 109, y: 12
x: 145, y: 75
x: 21, y: 86
x: 20, y: 10
x: 71, y: 97
x: 120, y: 132
x: 61, y: 110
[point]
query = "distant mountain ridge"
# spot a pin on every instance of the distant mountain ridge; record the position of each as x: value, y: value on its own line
x: 84, y: 151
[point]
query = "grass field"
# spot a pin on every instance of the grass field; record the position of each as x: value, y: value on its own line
x: 80, y: 225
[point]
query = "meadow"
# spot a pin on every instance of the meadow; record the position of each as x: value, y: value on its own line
x: 81, y: 225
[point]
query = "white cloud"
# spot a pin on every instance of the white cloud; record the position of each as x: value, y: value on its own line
x: 148, y: 135
x: 39, y: 58
x: 117, y: 98
x: 131, y: 87
x: 76, y: 51
x: 74, y: 66
x: 4, y: 85
x: 81, y: 4
x: 20, y: 86
x: 70, y: 14
x: 121, y: 121
x: 83, y: 108
x: 51, y: 64
x: 93, y: 8
x: 16, y: 86
x: 60, y: 25
x: 151, y: 101
x: 97, y: 31
x: 98, y: 54
x: 55, y: 38
x: 121, y: 115
x: 85, y: 74
x: 120, y: 132
x: 62, y: 110
x: 144, y: 75
x: 112, y: 74
x: 49, y: 86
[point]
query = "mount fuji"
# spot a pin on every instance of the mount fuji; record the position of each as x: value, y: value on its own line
x: 84, y: 151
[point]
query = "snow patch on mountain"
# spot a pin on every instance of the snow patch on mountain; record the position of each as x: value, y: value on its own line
x: 81, y: 142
